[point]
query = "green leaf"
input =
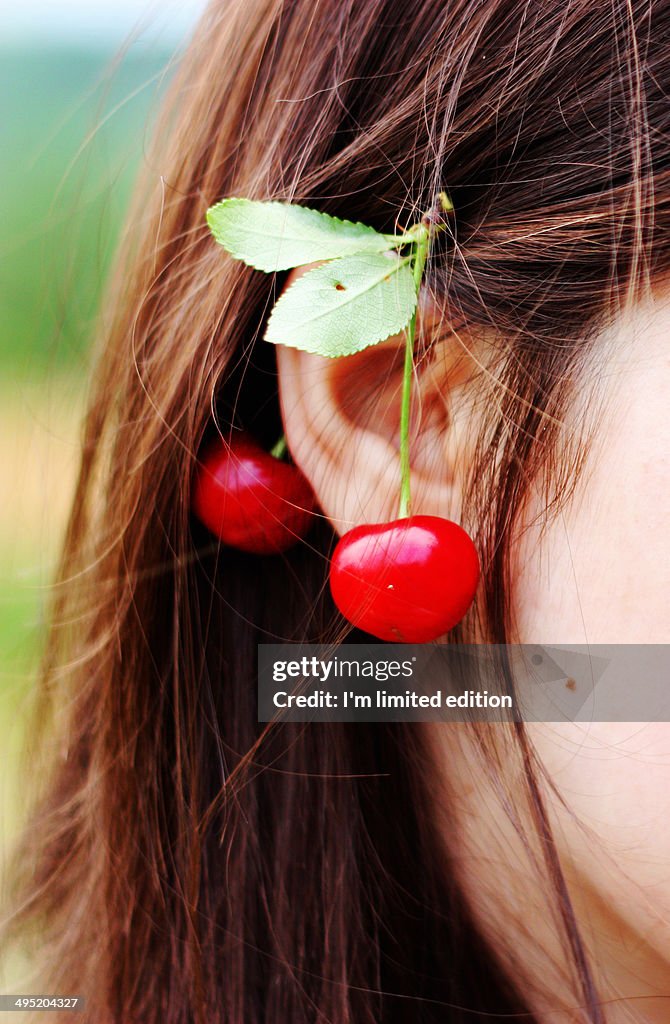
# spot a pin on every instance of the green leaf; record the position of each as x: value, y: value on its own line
x: 343, y: 306
x: 277, y: 236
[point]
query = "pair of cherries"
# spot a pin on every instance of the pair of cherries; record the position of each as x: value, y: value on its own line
x: 409, y: 580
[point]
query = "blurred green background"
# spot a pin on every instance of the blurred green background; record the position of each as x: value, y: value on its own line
x: 76, y: 108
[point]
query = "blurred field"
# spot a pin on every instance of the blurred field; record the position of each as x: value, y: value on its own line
x: 73, y: 125
x: 74, y: 132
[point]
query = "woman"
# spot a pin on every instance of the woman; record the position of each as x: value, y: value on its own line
x: 187, y: 864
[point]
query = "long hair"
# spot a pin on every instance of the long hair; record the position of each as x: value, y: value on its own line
x: 184, y: 863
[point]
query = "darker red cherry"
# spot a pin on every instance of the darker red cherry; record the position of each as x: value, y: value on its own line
x: 250, y: 499
x: 411, y: 580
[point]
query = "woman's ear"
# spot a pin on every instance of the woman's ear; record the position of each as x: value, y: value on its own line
x: 342, y: 418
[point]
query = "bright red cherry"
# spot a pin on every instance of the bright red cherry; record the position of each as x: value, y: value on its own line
x: 410, y: 580
x: 250, y: 499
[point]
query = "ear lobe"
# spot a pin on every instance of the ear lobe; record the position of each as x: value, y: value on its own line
x: 342, y: 418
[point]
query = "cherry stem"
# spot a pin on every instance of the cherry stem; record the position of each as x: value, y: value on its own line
x: 279, y: 450
x: 421, y: 249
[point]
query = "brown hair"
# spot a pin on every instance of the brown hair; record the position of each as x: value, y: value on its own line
x: 184, y: 863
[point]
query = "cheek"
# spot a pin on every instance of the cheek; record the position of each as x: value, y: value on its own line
x: 614, y: 779
x: 599, y: 572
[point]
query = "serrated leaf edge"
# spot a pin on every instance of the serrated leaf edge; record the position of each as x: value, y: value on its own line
x: 274, y: 202
x: 296, y: 206
x: 335, y: 355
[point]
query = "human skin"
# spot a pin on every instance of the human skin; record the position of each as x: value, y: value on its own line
x: 599, y: 572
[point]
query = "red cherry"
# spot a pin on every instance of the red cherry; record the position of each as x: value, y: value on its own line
x: 410, y: 580
x: 250, y: 499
